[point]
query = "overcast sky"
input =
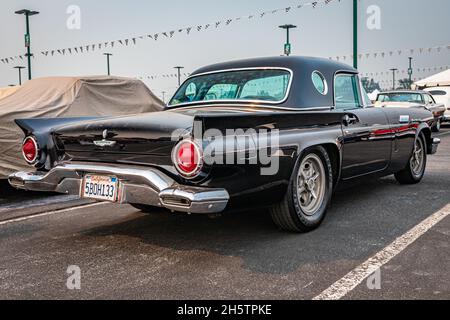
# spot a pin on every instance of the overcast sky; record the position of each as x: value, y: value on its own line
x: 324, y: 31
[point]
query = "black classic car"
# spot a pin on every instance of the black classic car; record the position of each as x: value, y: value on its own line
x: 271, y: 132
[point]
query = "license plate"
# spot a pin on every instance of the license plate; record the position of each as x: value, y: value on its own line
x: 103, y: 188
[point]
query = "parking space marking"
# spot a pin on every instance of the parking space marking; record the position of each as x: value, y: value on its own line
x: 443, y: 134
x: 49, y: 213
x: 354, y: 278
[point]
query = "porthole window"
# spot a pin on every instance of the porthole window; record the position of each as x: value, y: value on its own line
x: 319, y: 82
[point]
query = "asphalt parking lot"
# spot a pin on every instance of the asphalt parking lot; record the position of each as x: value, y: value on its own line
x: 124, y: 254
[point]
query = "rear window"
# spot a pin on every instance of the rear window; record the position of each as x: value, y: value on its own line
x: 265, y: 85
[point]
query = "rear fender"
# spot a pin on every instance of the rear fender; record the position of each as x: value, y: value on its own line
x: 42, y: 130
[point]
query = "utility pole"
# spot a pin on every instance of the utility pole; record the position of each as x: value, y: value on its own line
x: 20, y: 73
x: 107, y: 61
x: 394, y: 70
x: 164, y: 96
x: 179, y: 74
x: 28, y: 14
x: 288, y: 46
x: 355, y: 34
x: 410, y: 70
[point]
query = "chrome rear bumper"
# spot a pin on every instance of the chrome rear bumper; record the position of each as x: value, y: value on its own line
x: 147, y: 186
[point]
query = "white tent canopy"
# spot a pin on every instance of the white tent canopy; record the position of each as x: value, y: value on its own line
x: 438, y: 80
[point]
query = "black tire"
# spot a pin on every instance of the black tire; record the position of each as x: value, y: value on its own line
x: 412, y: 174
x: 289, y: 215
x: 437, y: 127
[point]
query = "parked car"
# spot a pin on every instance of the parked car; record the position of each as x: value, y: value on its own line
x: 66, y: 97
x: 326, y: 132
x: 413, y: 99
x: 442, y: 95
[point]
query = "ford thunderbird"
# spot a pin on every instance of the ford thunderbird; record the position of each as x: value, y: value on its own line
x: 413, y: 99
x: 279, y: 133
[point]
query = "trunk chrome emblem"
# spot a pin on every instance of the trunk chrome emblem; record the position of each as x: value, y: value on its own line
x: 105, y: 143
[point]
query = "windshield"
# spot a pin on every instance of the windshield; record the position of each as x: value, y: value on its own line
x: 247, y: 85
x: 401, y: 97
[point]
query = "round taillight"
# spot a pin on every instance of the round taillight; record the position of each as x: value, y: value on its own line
x: 30, y: 150
x: 187, y: 158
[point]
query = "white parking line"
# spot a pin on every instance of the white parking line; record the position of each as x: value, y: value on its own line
x: 349, y: 282
x: 49, y: 213
x: 443, y: 134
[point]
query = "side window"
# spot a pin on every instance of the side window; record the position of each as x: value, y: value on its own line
x: 346, y: 92
x: 429, y: 99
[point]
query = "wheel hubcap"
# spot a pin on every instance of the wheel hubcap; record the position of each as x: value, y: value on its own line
x: 311, y: 184
x: 417, y: 158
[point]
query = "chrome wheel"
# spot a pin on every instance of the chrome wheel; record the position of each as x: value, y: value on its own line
x: 417, y: 159
x: 311, y: 184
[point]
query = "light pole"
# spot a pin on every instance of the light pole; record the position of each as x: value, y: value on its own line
x: 28, y: 14
x: 288, y: 46
x: 179, y: 68
x: 19, y: 68
x: 107, y: 61
x: 394, y: 70
x: 410, y: 70
x: 355, y: 34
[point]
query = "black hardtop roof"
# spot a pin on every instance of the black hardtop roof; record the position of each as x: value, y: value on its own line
x: 293, y: 63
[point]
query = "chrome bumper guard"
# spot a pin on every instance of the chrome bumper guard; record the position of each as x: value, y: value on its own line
x: 435, y: 145
x: 136, y: 186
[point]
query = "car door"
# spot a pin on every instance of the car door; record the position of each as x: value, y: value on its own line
x: 367, y: 134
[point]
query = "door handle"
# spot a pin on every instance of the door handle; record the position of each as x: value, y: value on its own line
x: 349, y: 120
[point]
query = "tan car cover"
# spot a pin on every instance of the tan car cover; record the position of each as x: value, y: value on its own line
x: 4, y: 92
x: 61, y: 97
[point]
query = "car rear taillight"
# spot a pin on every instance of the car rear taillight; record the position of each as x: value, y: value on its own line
x: 187, y: 158
x: 30, y: 150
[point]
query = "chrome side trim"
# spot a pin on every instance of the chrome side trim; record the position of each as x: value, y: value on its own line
x: 249, y: 108
x: 288, y: 90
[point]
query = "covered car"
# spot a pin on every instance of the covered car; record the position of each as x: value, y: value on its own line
x: 67, y: 97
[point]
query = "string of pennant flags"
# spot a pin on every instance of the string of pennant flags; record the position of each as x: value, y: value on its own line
x: 363, y: 74
x: 160, y: 76
x: 393, y: 53
x: 405, y: 71
x: 167, y: 34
